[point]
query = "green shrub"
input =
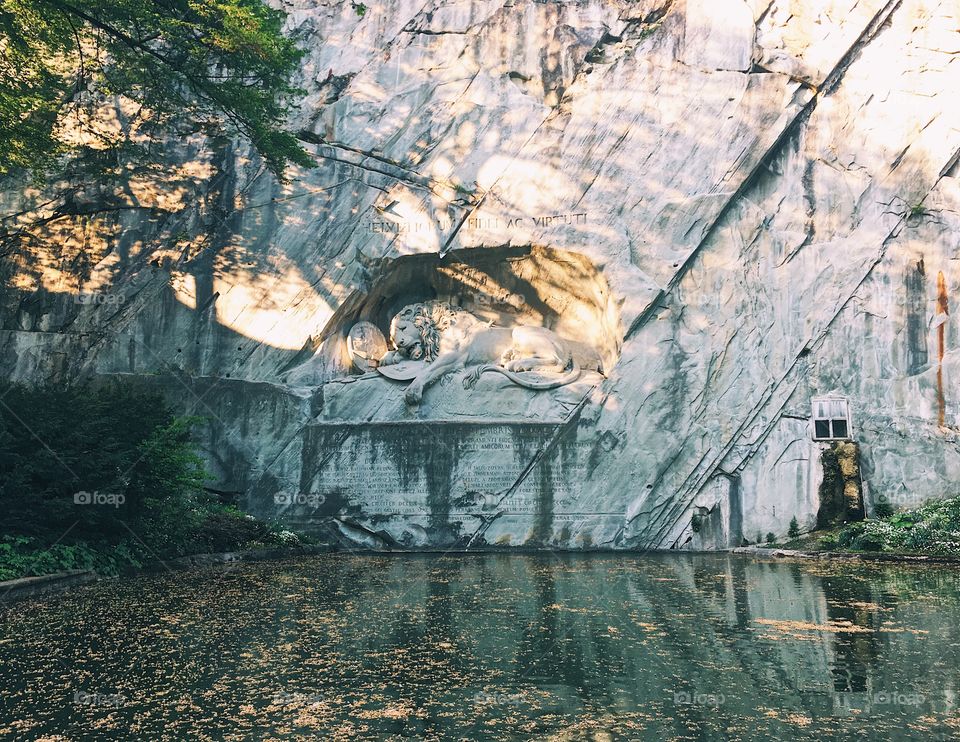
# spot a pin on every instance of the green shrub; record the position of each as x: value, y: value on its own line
x: 794, y: 530
x: 82, y: 442
x: 228, y: 530
x: 848, y: 534
x: 882, y: 508
x: 919, y: 537
x: 829, y: 542
x: 22, y: 556
x: 933, y: 528
x: 771, y: 538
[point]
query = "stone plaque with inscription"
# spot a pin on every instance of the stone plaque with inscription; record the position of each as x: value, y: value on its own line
x: 448, y: 483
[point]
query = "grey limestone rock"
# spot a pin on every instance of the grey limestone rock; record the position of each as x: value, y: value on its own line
x: 727, y: 208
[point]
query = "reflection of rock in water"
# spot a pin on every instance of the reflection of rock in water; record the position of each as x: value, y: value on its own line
x: 548, y: 651
x: 850, y: 599
x: 505, y: 646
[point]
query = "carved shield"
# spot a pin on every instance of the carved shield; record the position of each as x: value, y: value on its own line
x: 365, y: 343
x: 403, y: 371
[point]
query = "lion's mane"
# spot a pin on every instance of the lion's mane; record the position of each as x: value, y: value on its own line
x: 432, y: 319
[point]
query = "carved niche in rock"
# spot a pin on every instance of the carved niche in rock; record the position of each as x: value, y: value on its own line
x: 509, y: 309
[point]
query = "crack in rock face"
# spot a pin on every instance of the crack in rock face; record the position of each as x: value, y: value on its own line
x: 726, y: 209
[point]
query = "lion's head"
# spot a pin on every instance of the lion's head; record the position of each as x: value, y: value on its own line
x: 417, y: 329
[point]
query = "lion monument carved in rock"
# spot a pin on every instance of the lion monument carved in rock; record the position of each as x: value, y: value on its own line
x: 450, y: 339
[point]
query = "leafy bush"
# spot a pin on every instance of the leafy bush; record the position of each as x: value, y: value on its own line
x: 230, y: 529
x: 933, y: 528
x: 883, y: 508
x: 829, y: 542
x: 167, y: 487
x: 22, y: 555
x: 56, y: 444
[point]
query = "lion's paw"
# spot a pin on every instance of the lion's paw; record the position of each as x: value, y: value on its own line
x: 470, y: 379
x: 413, y: 395
x: 519, y: 365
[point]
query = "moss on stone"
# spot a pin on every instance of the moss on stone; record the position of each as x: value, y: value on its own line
x: 841, y: 497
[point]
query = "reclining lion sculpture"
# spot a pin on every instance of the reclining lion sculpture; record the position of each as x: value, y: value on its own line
x: 450, y: 339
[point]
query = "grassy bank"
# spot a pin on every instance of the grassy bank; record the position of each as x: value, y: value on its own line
x: 221, y: 530
x: 933, y: 529
x: 107, y: 479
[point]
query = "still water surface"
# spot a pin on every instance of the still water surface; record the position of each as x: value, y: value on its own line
x: 500, y: 647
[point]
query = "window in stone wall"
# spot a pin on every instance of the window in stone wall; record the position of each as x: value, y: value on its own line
x: 831, y: 418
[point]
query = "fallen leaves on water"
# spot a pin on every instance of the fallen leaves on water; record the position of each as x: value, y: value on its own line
x: 834, y: 627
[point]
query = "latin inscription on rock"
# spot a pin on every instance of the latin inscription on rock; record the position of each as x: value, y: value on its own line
x: 419, y: 469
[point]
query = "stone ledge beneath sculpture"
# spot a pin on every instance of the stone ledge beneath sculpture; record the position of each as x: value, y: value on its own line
x: 374, y: 398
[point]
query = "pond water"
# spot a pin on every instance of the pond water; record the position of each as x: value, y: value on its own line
x: 493, y: 646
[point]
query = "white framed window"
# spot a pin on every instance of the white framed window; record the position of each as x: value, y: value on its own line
x: 830, y: 418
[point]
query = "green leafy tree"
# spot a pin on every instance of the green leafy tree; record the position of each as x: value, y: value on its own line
x: 216, y: 66
x: 62, y: 449
x: 106, y: 477
x: 166, y: 487
x: 61, y: 444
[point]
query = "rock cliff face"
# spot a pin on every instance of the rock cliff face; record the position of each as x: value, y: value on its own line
x: 762, y: 201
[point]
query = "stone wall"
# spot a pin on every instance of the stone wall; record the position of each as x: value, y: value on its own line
x: 767, y: 188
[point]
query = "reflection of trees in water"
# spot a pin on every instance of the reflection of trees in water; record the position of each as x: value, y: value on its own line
x: 546, y: 641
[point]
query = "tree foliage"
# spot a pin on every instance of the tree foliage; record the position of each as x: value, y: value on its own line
x: 60, y: 447
x: 195, y: 65
x: 105, y: 478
